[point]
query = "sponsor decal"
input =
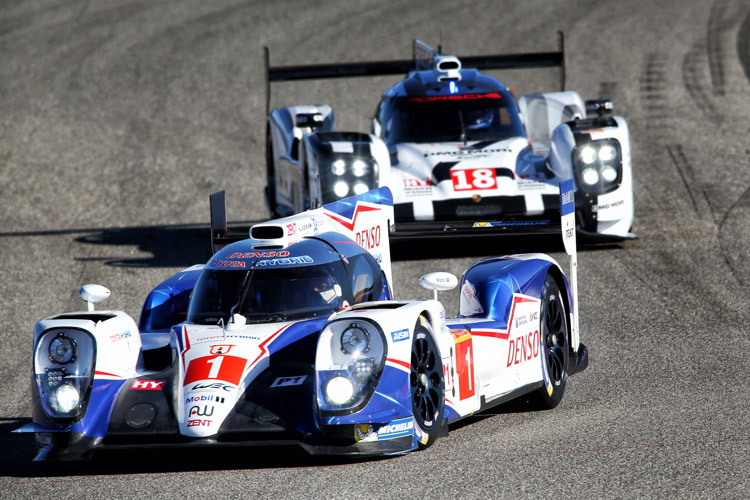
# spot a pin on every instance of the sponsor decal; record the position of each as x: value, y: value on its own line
x: 258, y: 255
x: 291, y: 229
x: 396, y: 429
x: 289, y: 381
x: 400, y: 335
x: 522, y: 320
x: 204, y: 398
x: 418, y: 187
x: 473, y: 179
x: 214, y: 386
x: 147, y: 385
x: 303, y: 259
x: 364, y: 432
x: 523, y: 348
x: 200, y: 411
x: 221, y: 349
x: 227, y: 263
x: 455, y: 97
x: 369, y: 238
x: 224, y: 368
x: 607, y: 206
x: 568, y: 197
x: 468, y: 152
x: 198, y: 423
x: 464, y: 363
x: 120, y: 336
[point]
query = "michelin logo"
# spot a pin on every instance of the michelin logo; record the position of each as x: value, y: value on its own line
x: 396, y: 429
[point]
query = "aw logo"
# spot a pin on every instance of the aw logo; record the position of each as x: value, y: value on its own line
x: 198, y: 411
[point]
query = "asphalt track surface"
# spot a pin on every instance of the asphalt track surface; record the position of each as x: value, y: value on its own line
x: 118, y: 119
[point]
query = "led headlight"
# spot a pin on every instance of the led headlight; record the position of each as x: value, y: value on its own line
x: 588, y: 155
x: 62, y: 349
x: 359, y: 168
x: 341, y: 189
x: 66, y: 398
x: 338, y: 167
x: 609, y: 173
x: 590, y: 176
x: 64, y: 390
x: 348, y: 362
x: 598, y: 166
x: 360, y: 188
x: 339, y: 390
x: 607, y: 153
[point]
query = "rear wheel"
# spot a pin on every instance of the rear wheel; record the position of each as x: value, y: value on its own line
x: 426, y: 381
x: 555, y: 347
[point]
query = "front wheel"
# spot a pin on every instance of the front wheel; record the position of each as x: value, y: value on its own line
x: 555, y: 347
x: 427, y: 388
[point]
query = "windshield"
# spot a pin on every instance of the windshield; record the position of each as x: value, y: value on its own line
x: 452, y: 118
x: 268, y: 295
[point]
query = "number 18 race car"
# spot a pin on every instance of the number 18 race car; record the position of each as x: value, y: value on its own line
x: 459, y: 153
x: 293, y: 337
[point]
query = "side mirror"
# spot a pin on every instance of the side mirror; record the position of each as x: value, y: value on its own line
x: 91, y: 294
x: 310, y: 120
x: 439, y: 281
x: 599, y: 106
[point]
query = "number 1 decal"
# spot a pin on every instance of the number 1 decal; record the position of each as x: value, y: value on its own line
x: 225, y: 368
x: 215, y: 366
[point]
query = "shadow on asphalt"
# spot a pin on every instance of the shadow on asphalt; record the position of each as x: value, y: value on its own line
x: 188, y: 244
x: 19, y: 451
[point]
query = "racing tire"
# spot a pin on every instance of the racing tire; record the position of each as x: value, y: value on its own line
x: 427, y: 387
x: 270, y: 175
x: 555, y: 345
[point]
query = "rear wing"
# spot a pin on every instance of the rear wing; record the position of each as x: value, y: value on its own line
x: 422, y: 55
x: 365, y: 218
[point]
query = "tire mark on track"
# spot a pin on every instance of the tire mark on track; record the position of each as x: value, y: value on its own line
x: 695, y: 81
x: 685, y: 171
x: 716, y: 28
x: 743, y: 45
x: 654, y: 87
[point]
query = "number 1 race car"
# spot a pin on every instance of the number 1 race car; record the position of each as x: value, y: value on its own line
x: 459, y: 154
x: 292, y: 337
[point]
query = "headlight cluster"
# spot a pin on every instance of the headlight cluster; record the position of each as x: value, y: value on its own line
x: 349, y: 360
x: 598, y: 165
x: 63, y: 369
x: 353, y: 176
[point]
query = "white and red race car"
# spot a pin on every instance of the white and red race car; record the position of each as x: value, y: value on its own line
x: 459, y: 153
x: 293, y: 337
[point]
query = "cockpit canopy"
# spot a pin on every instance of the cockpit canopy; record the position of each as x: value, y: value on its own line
x: 271, y: 293
x: 443, y: 118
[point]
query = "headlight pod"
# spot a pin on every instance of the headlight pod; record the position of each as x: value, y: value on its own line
x: 349, y: 360
x: 63, y: 371
x: 598, y: 166
x: 348, y: 175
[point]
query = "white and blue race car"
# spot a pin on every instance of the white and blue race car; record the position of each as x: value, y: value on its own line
x: 459, y: 153
x: 293, y: 337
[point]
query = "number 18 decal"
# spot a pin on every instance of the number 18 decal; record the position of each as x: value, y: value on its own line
x: 475, y: 178
x: 224, y: 368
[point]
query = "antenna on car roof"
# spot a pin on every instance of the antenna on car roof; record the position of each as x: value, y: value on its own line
x: 440, y: 44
